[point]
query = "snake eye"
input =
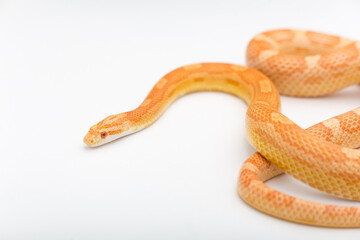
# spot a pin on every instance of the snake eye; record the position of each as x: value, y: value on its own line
x: 104, y: 134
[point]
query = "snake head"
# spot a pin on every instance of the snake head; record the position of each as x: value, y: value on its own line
x: 109, y: 129
x: 94, y: 137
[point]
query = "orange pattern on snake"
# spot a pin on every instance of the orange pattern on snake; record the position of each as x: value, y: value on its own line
x: 308, y: 155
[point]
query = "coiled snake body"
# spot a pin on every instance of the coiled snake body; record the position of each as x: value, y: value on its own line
x: 300, y: 63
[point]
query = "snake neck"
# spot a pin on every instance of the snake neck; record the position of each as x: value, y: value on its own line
x: 243, y: 82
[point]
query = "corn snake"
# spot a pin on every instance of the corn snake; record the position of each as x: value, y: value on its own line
x: 300, y: 63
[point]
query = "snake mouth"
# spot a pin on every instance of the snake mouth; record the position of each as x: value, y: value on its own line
x: 92, y: 138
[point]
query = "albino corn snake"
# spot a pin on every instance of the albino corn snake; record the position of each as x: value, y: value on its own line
x: 299, y: 63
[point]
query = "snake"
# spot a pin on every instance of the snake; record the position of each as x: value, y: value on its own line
x: 285, y: 61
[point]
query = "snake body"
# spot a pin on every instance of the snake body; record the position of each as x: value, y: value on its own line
x: 300, y: 63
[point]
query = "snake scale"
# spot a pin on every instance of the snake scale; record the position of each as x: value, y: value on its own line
x: 295, y: 63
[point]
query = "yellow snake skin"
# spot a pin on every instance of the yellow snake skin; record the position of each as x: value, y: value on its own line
x: 300, y: 63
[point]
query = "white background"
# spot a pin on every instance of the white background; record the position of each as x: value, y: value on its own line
x: 65, y: 65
